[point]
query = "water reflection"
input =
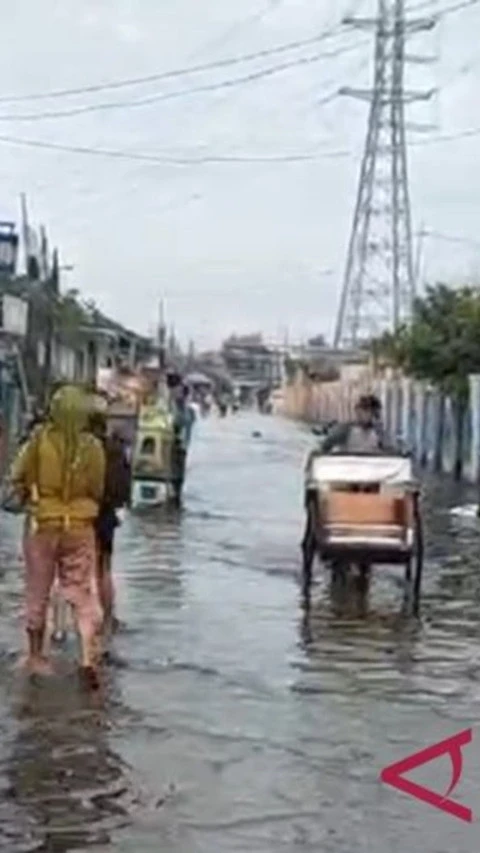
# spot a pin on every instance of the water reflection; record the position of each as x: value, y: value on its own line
x: 150, y: 561
x: 352, y: 644
x: 65, y: 782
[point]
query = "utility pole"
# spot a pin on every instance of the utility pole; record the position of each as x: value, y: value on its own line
x: 51, y: 290
x: 44, y: 255
x: 162, y: 389
x: 379, y: 281
x: 162, y: 335
x: 25, y: 231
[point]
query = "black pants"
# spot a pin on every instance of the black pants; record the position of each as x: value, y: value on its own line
x: 179, y: 461
x: 105, y: 527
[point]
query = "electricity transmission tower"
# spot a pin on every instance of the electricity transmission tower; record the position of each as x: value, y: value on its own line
x: 379, y: 281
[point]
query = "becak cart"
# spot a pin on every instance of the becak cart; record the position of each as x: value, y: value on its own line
x: 153, y: 475
x: 363, y: 510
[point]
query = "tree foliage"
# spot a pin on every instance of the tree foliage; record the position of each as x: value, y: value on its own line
x: 69, y: 316
x: 316, y: 369
x: 291, y: 366
x: 322, y: 370
x: 442, y: 343
x: 317, y: 341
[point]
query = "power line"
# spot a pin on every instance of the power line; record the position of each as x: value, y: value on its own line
x: 448, y: 10
x: 230, y: 33
x: 164, y: 159
x: 170, y: 160
x: 181, y: 93
x: 449, y: 238
x: 235, y: 28
x: 229, y: 97
x: 176, y: 72
x: 447, y: 137
x: 458, y: 7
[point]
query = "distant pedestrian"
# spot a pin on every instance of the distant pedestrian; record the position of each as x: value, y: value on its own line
x: 184, y: 419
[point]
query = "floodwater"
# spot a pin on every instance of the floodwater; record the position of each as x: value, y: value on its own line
x: 226, y: 723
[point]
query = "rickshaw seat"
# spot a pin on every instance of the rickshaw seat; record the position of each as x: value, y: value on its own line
x: 358, y: 509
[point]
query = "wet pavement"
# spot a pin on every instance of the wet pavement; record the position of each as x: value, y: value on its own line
x: 227, y: 723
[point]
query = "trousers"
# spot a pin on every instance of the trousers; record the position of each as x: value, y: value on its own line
x: 72, y: 556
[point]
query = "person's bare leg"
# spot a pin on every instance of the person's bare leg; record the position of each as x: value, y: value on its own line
x: 105, y: 588
x: 108, y: 601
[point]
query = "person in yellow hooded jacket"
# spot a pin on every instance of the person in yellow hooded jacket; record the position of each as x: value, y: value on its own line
x: 60, y: 476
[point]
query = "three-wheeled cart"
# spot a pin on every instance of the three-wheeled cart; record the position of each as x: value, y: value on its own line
x: 153, y: 469
x: 363, y: 510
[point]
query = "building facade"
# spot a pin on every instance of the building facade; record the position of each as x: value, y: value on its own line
x: 252, y: 364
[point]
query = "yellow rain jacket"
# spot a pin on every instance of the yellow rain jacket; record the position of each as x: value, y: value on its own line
x: 61, y: 470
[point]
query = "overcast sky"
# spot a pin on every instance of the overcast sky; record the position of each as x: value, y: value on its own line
x: 239, y: 246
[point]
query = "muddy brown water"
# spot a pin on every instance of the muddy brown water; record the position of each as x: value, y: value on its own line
x: 226, y: 723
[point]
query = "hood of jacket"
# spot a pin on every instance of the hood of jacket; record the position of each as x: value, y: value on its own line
x: 68, y: 418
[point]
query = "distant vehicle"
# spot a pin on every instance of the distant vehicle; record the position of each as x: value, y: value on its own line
x: 152, y: 470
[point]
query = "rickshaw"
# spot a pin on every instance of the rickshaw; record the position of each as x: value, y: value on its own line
x: 152, y: 468
x: 363, y: 510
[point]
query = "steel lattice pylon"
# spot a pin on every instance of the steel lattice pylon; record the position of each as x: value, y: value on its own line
x: 378, y: 286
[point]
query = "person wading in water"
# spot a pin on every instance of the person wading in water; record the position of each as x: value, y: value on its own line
x: 60, y: 475
x: 116, y: 495
x: 184, y: 419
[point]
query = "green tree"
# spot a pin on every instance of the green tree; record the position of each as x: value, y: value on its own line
x: 440, y: 345
x: 69, y: 317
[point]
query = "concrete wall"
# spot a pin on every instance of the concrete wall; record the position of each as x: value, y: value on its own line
x: 414, y: 413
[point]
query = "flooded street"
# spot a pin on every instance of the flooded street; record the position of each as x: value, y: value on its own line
x: 227, y: 723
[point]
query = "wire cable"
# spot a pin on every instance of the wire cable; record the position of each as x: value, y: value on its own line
x: 164, y: 159
x: 447, y: 137
x: 181, y: 93
x: 442, y: 13
x: 458, y: 7
x: 450, y: 238
x: 170, y: 160
x: 177, y: 72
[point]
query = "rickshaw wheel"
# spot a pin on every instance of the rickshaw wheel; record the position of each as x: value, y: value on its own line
x: 309, y: 547
x: 408, y: 572
x: 416, y: 559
